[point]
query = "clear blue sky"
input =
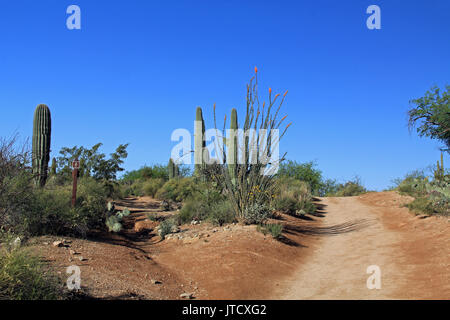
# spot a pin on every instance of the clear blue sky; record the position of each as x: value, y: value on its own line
x: 137, y: 70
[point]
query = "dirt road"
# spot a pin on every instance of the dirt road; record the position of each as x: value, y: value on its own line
x: 413, y: 254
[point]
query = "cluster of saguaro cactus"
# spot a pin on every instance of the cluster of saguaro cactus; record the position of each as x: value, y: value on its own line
x: 440, y: 171
x: 41, y: 144
x: 174, y: 170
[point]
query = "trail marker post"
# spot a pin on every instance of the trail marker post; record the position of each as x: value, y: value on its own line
x: 75, y: 167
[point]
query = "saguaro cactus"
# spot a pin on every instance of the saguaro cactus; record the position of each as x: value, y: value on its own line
x: 174, y: 171
x: 42, y: 127
x: 53, y: 167
x: 233, y: 146
x: 440, y: 171
x: 199, y: 142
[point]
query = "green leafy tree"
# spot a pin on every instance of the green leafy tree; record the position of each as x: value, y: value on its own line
x: 92, y: 162
x: 304, y: 172
x: 431, y: 115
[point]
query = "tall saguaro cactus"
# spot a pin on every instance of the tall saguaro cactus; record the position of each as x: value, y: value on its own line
x: 42, y: 127
x: 199, y: 142
x: 174, y: 171
x: 233, y: 146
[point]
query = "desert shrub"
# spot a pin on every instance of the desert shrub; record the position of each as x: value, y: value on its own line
x: 152, y: 217
x: 177, y: 189
x: 304, y: 172
x: 274, y: 229
x: 191, y: 210
x: 48, y: 210
x: 292, y: 197
x: 421, y: 205
x: 200, y: 205
x: 152, y: 186
x: 348, y: 189
x: 133, y: 189
x: 256, y: 213
x: 147, y: 172
x: 92, y: 201
x: 431, y: 197
x: 221, y: 213
x: 166, y: 227
x: 23, y: 276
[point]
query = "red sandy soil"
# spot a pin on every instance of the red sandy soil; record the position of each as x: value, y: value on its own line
x: 321, y: 256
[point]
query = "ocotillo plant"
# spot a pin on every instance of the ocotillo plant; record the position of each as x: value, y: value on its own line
x: 199, y: 143
x: 233, y: 146
x: 251, y: 193
x: 41, y: 144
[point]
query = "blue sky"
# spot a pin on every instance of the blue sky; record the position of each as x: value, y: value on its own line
x: 137, y: 70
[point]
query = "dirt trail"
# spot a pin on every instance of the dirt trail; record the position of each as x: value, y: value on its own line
x: 321, y: 256
x: 413, y: 254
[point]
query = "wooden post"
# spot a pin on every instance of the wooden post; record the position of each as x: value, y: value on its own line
x: 75, y: 167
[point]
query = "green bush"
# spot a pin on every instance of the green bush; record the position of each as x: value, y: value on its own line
x: 178, y: 189
x: 348, y: 189
x: 202, y: 204
x: 147, y: 172
x: 305, y: 172
x: 48, y: 210
x: 191, y: 210
x: 293, y: 197
x: 23, y: 276
x: 421, y: 205
x: 152, y: 186
x: 256, y: 213
x: 221, y: 213
x: 166, y: 227
x: 274, y: 229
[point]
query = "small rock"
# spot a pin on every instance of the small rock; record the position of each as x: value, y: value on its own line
x: 58, y: 244
x: 45, y: 243
x: 81, y: 258
x: 187, y: 296
x: 155, y: 281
